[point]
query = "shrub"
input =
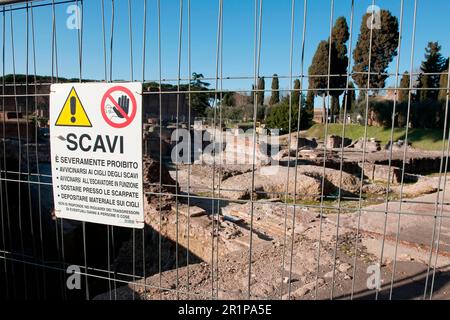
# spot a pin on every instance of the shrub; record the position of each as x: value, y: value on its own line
x: 379, y: 112
x: 278, y: 117
x: 237, y: 113
x: 427, y: 114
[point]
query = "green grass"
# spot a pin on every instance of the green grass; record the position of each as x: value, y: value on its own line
x: 424, y: 139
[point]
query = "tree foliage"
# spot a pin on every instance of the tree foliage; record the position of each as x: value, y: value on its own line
x: 260, y: 93
x: 251, y: 98
x: 443, y: 83
x: 199, y: 100
x: 334, y: 108
x: 323, y: 58
x: 228, y: 99
x: 428, y: 80
x: 278, y: 117
x: 318, y: 70
x: 339, y: 36
x: 196, y: 80
x: 275, y: 97
x: 426, y: 115
x: 296, y: 92
x: 382, y: 43
x: 240, y: 113
x: 403, y: 95
x: 309, y: 104
x: 331, y: 61
x: 350, y: 98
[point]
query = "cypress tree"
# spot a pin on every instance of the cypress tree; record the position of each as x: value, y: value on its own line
x: 404, y: 83
x: 275, y: 97
x: 260, y: 93
x: 318, y: 70
x: 434, y: 63
x: 251, y: 98
x: 383, y: 43
x: 296, y: 93
x: 339, y: 37
x: 443, y: 83
x: 334, y: 108
x: 350, y: 98
x: 309, y: 105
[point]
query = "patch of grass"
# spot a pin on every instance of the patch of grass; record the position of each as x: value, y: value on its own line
x: 424, y: 139
x: 204, y: 194
x: 290, y: 200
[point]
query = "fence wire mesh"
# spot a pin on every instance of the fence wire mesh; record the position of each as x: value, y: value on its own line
x: 348, y: 203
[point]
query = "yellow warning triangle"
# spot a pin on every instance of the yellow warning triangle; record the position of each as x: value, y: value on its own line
x: 73, y: 113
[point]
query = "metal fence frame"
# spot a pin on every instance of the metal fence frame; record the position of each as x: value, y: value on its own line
x: 115, y: 279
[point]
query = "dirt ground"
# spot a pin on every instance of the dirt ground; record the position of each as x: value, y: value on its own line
x: 272, y: 249
x: 334, y: 272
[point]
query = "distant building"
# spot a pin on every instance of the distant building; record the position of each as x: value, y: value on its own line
x: 13, y: 125
x: 29, y: 99
x: 169, y: 108
x: 387, y: 94
x: 318, y: 115
x: 38, y: 104
x: 240, y: 99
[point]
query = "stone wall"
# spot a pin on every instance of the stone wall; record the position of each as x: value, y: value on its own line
x: 336, y: 142
x: 379, y: 172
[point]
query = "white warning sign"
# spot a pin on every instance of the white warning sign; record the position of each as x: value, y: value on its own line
x: 96, y: 152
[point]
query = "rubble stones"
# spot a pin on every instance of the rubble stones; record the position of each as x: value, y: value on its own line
x: 192, y: 211
x: 337, y: 141
x: 271, y: 183
x: 152, y: 179
x: 344, y: 267
x: 300, y: 143
x: 370, y: 145
x: 270, y: 186
x: 379, y: 172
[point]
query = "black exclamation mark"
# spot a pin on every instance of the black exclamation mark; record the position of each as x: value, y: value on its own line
x: 73, y: 108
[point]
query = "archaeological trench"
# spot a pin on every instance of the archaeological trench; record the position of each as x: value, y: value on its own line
x: 307, y: 235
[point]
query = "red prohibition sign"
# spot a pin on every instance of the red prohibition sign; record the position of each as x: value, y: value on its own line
x: 128, y: 118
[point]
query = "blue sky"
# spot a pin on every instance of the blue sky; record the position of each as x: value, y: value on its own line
x: 433, y: 24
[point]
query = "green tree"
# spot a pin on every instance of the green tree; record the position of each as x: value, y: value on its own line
x: 383, y: 43
x: 350, y: 98
x: 196, y: 80
x: 318, y: 71
x: 309, y: 105
x: 434, y: 63
x: 251, y: 98
x: 228, y: 99
x: 260, y: 93
x: 296, y: 92
x: 275, y: 97
x: 443, y: 83
x: 403, y: 95
x: 278, y: 117
x: 306, y: 104
x: 334, y: 108
x: 339, y: 37
x: 199, y: 100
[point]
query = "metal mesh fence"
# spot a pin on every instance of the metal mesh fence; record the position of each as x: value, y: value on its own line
x: 352, y: 207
